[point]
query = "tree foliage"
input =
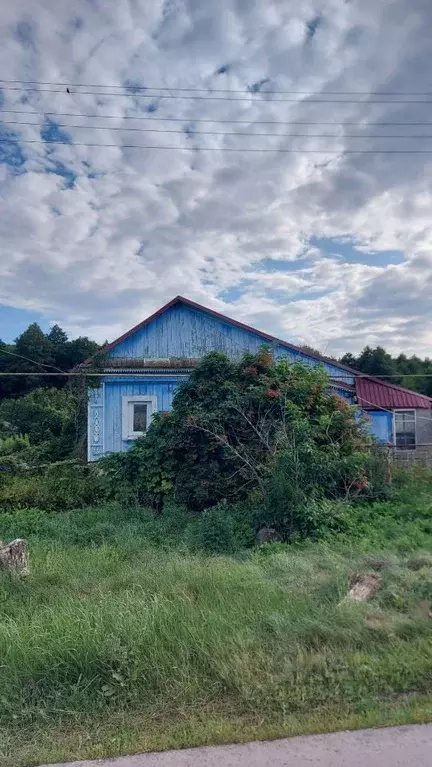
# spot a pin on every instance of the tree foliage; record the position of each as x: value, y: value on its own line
x: 34, y: 352
x: 249, y: 428
x: 410, y: 372
x: 51, y: 420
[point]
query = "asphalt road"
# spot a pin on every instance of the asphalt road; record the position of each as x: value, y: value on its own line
x: 389, y: 747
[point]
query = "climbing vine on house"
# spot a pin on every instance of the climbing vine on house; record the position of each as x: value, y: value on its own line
x: 251, y: 428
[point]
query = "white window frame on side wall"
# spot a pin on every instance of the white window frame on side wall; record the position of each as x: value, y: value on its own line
x: 128, y: 403
x: 405, y: 410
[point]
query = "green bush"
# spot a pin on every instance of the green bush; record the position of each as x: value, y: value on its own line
x: 13, y: 443
x: 56, y: 487
x: 252, y: 427
x: 53, y: 421
x: 213, y: 532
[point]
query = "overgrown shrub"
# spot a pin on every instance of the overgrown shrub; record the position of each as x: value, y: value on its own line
x: 254, y: 426
x: 213, y: 532
x: 13, y: 443
x: 52, y: 420
x: 56, y: 487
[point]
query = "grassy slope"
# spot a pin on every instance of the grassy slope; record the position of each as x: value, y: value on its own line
x: 112, y: 645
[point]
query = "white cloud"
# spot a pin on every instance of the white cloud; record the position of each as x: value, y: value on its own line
x: 124, y: 230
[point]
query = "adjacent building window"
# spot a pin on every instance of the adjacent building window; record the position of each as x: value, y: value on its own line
x: 405, y: 429
x: 136, y: 415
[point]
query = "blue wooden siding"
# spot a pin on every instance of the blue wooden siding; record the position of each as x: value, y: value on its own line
x: 190, y: 333
x: 116, y: 389
x: 95, y: 437
x: 181, y: 332
x: 381, y: 423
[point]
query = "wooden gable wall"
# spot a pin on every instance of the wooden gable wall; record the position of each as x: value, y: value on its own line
x: 184, y: 332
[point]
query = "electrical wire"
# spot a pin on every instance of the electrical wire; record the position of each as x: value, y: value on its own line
x: 386, y: 410
x: 221, y: 133
x: 147, y: 117
x: 250, y: 90
x: 84, y: 374
x: 222, y: 149
x: 34, y: 362
x: 252, y: 95
x: 331, y: 377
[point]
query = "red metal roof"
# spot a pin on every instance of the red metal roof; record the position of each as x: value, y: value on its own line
x: 373, y: 393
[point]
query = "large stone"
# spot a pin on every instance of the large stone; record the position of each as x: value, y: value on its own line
x: 14, y: 556
x: 364, y: 586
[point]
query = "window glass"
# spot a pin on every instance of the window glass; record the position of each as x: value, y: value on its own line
x: 405, y: 429
x: 140, y: 416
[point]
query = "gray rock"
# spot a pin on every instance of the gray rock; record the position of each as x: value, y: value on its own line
x: 364, y: 586
x: 14, y: 557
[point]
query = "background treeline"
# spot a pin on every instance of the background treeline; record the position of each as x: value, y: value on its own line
x: 35, y: 352
x: 411, y: 372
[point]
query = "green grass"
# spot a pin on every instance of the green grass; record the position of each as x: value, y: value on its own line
x: 118, y: 642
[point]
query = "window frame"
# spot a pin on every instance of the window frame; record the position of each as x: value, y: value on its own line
x: 405, y: 410
x: 128, y: 403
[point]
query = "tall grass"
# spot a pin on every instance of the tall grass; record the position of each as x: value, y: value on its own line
x: 95, y: 629
x: 114, y: 620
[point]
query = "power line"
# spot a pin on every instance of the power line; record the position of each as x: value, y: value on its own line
x: 222, y: 133
x: 35, y: 362
x: 250, y: 90
x: 331, y: 377
x: 252, y: 94
x: 222, y: 149
x: 147, y: 117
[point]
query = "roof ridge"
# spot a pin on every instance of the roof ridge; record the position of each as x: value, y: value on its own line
x: 194, y: 305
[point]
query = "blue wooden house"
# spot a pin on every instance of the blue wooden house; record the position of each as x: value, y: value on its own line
x: 143, y: 368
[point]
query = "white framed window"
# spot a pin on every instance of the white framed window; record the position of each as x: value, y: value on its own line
x: 404, y: 429
x: 136, y: 415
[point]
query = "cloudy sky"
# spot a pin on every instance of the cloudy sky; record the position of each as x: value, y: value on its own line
x: 281, y: 167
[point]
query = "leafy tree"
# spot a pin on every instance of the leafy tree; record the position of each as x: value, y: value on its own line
x: 57, y: 340
x: 410, y: 372
x: 72, y: 353
x: 311, y: 350
x: 349, y: 360
x: 35, y: 351
x: 376, y: 362
x: 34, y: 344
x: 250, y: 427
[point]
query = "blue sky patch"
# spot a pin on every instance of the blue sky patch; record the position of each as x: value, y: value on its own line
x: 133, y: 86
x: 52, y: 131
x: 59, y: 169
x: 11, y: 153
x: 13, y: 322
x: 24, y: 33
x: 232, y: 294
x: 345, y: 249
x: 77, y: 23
x: 279, y: 265
x: 189, y: 130
x: 256, y: 87
x: 312, y: 26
